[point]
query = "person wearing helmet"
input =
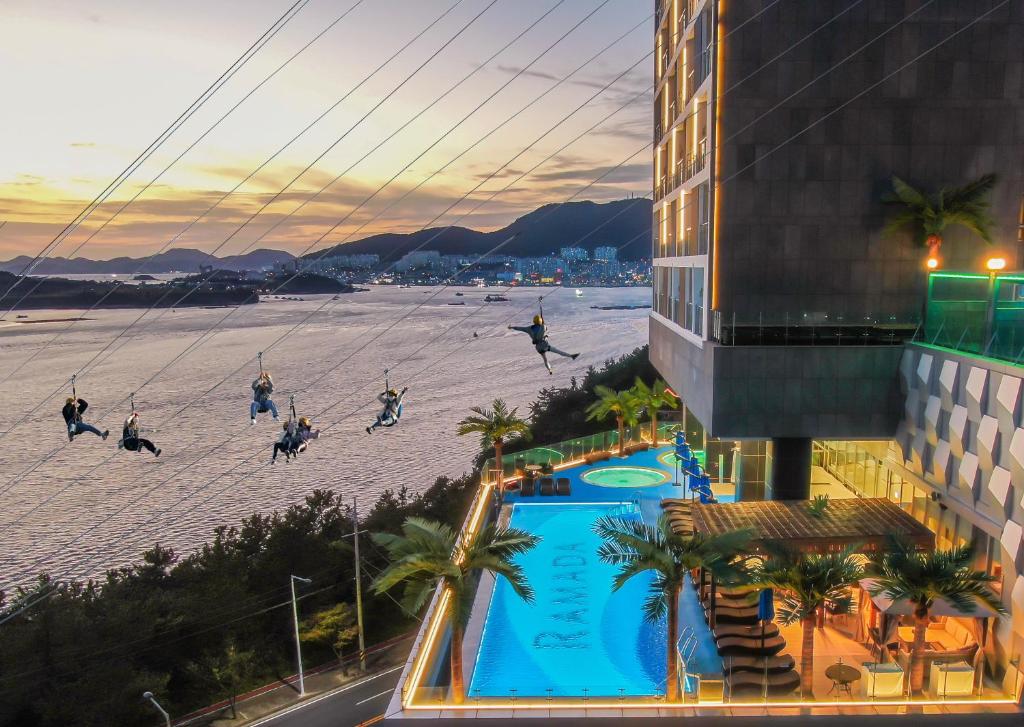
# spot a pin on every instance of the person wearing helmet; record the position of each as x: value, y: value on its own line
x: 262, y: 388
x: 130, y: 438
x: 539, y: 335
x: 72, y: 412
x: 289, y: 441
x: 392, y: 401
x: 303, y: 434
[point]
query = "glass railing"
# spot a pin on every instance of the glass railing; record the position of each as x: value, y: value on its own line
x: 850, y: 679
x: 810, y: 329
x: 572, y: 450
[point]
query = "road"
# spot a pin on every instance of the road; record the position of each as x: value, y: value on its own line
x: 346, y: 706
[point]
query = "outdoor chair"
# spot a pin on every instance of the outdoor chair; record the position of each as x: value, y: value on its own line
x: 882, y: 681
x: 529, y: 488
x: 547, y: 486
x: 562, y: 486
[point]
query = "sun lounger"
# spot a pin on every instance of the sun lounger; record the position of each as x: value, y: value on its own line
x: 529, y: 488
x: 744, y: 683
x: 744, y: 646
x: 669, y: 501
x: 782, y: 663
x: 547, y: 486
x: 562, y: 486
x: 951, y: 680
x: 752, y: 632
x: 594, y: 457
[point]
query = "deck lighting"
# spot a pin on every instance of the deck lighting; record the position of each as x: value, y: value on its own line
x: 933, y: 262
x: 995, y: 263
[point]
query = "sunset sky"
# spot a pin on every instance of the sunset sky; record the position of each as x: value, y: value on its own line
x: 87, y: 86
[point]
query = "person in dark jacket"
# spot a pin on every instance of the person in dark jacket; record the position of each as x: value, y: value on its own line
x: 131, y: 439
x: 539, y: 335
x: 72, y: 412
x: 262, y: 388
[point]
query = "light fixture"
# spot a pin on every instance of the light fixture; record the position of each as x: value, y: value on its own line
x: 933, y: 262
x: 995, y: 263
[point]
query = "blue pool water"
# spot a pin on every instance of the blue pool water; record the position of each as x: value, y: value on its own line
x: 577, y: 635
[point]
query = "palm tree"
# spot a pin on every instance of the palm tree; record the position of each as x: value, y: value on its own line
x: 428, y: 552
x: 805, y: 583
x: 652, y: 398
x: 928, y: 216
x: 620, y: 404
x: 494, y: 427
x: 902, y: 573
x: 637, y: 547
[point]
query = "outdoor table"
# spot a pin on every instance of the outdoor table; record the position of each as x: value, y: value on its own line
x: 842, y: 676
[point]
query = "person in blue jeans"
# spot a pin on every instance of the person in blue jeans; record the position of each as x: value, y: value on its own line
x: 262, y: 388
x: 72, y: 412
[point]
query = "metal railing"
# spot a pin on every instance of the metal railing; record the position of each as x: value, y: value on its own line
x: 810, y: 329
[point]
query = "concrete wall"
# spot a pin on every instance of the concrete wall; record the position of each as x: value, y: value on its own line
x: 759, y: 392
x: 801, y: 230
x: 962, y: 435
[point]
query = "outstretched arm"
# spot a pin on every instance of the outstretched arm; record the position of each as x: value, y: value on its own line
x: 521, y: 329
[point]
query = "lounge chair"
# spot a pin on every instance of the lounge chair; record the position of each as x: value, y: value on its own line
x: 744, y: 646
x: 954, y: 679
x: 547, y: 486
x: 562, y: 486
x: 728, y: 615
x: 750, y: 632
x: 528, y: 489
x: 595, y: 457
x: 782, y: 663
x: 752, y: 683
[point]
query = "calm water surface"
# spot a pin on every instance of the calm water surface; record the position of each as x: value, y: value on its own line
x: 215, y: 467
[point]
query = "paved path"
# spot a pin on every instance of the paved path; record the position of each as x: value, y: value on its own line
x: 345, y: 706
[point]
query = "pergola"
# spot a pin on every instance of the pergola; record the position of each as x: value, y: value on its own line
x: 864, y: 523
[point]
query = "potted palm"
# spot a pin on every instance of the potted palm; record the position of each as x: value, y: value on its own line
x: 620, y: 404
x: 428, y: 553
x: 495, y: 427
x: 902, y: 573
x: 928, y: 215
x: 637, y: 547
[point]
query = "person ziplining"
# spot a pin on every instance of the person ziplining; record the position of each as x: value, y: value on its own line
x: 296, y: 434
x: 539, y: 335
x: 392, y: 400
x: 131, y: 434
x: 72, y: 412
x: 262, y: 388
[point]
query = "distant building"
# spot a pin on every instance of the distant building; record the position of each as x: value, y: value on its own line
x: 419, y: 259
x: 574, y: 254
x: 606, y: 254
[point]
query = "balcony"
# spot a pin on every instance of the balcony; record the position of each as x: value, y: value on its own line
x: 976, y: 313
x: 685, y: 170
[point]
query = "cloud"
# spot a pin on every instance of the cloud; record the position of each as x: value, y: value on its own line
x: 522, y: 70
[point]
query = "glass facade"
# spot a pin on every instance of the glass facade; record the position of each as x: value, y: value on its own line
x: 862, y: 469
x: 679, y: 296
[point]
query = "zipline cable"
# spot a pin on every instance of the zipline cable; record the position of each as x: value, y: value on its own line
x: 273, y: 156
x: 156, y: 143
x: 174, y: 161
x: 35, y: 565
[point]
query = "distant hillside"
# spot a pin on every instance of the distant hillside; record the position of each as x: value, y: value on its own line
x: 183, y: 260
x: 539, y: 233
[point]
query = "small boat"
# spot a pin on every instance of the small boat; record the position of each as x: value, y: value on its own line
x: 579, y: 293
x: 495, y: 299
x: 458, y: 295
x: 458, y: 302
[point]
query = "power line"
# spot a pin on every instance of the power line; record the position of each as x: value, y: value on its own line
x: 175, y: 160
x: 156, y: 143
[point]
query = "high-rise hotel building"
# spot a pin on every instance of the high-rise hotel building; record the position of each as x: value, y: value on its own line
x: 781, y: 304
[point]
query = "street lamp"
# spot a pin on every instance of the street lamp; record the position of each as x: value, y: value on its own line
x: 995, y: 263
x: 167, y: 717
x: 298, y: 644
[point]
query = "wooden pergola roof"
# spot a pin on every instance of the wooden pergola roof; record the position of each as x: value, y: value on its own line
x: 861, y: 522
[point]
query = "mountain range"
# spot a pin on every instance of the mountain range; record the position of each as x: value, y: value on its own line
x: 624, y: 223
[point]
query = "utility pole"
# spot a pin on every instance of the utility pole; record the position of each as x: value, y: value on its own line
x: 298, y: 643
x: 359, y: 585
x: 163, y: 712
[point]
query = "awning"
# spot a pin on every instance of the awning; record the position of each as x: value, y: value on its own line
x: 940, y: 607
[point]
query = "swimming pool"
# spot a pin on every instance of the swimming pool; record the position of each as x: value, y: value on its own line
x: 578, y: 638
x: 625, y: 477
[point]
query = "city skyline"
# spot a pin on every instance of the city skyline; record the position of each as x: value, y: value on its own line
x: 70, y: 56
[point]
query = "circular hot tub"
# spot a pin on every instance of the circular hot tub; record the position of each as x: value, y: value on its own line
x: 624, y: 477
